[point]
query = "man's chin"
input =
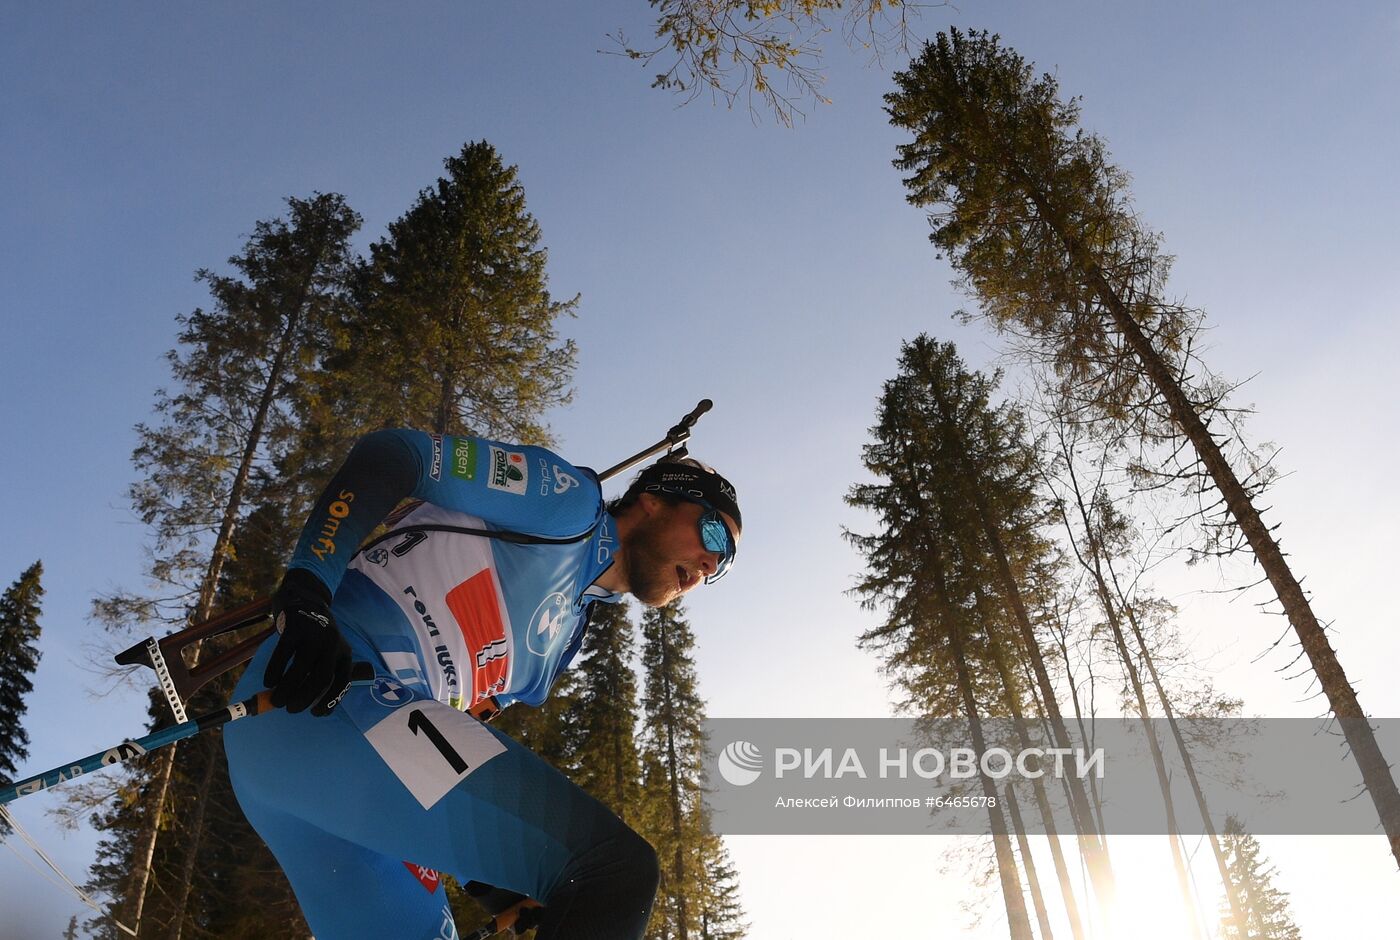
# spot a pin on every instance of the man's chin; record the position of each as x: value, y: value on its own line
x: 656, y: 598
x: 656, y: 593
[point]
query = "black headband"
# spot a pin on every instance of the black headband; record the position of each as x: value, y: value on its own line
x: 693, y: 483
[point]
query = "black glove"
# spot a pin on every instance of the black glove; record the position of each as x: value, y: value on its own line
x: 311, y: 662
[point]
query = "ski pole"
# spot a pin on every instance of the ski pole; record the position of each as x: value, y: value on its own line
x: 179, y: 681
x: 128, y: 749
x: 361, y: 673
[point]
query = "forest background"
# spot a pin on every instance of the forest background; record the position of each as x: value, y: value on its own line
x: 145, y: 143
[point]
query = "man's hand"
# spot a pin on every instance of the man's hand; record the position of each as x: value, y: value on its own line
x: 311, y: 662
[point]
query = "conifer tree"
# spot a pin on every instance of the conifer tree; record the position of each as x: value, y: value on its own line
x: 267, y: 425
x: 958, y: 478
x: 457, y: 329
x: 1041, y: 226
x: 928, y: 573
x: 720, y: 913
x: 237, y: 371
x: 1267, y: 912
x: 19, y: 657
x: 697, y: 883
x: 606, y: 714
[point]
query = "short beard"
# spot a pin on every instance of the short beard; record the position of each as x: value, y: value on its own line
x: 647, y: 581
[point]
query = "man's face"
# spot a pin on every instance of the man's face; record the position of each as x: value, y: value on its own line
x: 665, y: 557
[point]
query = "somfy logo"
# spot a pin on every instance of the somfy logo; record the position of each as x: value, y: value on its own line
x: 740, y: 763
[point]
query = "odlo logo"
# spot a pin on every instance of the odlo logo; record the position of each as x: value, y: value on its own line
x: 740, y: 763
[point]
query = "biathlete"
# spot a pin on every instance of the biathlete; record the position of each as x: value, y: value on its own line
x: 479, y: 591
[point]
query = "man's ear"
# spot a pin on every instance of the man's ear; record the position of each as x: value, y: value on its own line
x: 649, y: 502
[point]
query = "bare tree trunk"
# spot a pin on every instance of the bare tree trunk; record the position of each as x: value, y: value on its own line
x: 1092, y: 847
x: 196, y: 827
x: 1232, y: 893
x: 443, y: 416
x: 1016, y: 915
x: 1042, y: 916
x: 619, y: 777
x: 1012, y: 689
x: 1095, y: 800
x: 1093, y: 564
x: 145, y: 855
x: 1375, y: 771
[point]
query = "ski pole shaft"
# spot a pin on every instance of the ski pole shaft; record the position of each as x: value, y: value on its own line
x: 128, y: 749
x: 361, y: 673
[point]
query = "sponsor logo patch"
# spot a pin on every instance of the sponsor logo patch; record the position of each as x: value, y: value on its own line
x: 446, y: 667
x: 378, y: 556
x: 605, y: 542
x: 436, y: 471
x: 464, y: 459
x: 554, y: 479
x: 388, y: 693
x: 335, y: 512
x: 563, y: 482
x: 547, y: 622
x: 448, y: 930
x: 509, y: 472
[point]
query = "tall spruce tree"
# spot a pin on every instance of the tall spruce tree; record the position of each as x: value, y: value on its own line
x: 19, y: 657
x: 457, y: 332
x: 1267, y: 914
x: 1040, y: 225
x: 697, y: 883
x: 237, y: 371
x: 936, y: 442
x: 606, y: 713
x: 958, y: 475
x: 332, y: 375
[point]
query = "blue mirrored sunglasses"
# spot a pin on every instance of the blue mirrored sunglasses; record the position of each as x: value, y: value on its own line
x: 716, y: 537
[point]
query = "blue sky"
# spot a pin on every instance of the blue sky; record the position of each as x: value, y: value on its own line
x: 718, y: 255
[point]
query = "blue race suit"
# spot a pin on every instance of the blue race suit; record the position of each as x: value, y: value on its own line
x: 478, y: 590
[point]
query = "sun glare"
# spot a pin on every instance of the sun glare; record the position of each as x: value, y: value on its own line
x: 1148, y: 907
